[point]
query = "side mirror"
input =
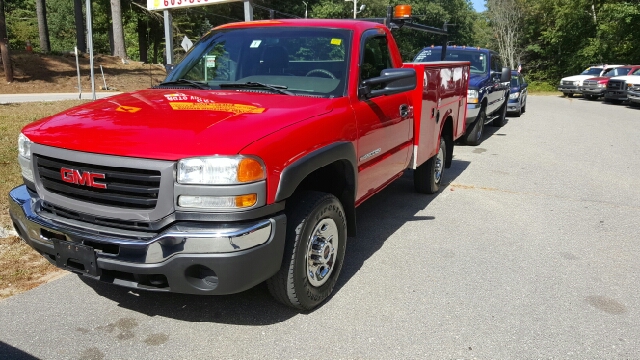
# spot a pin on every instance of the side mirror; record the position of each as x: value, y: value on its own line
x: 393, y: 81
x: 506, y: 74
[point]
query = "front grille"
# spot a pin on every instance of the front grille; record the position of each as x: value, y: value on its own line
x: 567, y: 82
x: 125, y: 187
x: 590, y: 83
x: 54, y: 210
x: 615, y: 85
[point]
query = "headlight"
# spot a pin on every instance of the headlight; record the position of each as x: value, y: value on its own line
x: 576, y: 83
x: 220, y: 170
x: 24, y: 146
x: 24, y: 157
x: 472, y: 96
x: 602, y: 85
x: 629, y: 86
x: 514, y: 95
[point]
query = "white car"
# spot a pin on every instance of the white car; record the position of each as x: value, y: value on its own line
x: 569, y: 85
x: 621, y: 88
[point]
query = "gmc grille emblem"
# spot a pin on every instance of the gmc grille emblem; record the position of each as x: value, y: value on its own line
x: 86, y: 178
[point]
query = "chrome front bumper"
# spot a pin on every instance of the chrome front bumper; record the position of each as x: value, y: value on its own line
x: 240, y: 254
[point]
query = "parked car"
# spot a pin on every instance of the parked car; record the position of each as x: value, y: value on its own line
x: 596, y: 87
x: 518, y: 94
x: 571, y: 85
x: 488, y: 86
x: 617, y: 87
x: 633, y: 89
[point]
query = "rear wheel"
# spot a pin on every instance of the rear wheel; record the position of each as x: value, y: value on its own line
x: 428, y: 176
x: 474, y: 136
x: 315, y: 244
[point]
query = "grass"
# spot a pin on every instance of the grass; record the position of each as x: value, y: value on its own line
x: 21, y: 267
x: 542, y: 88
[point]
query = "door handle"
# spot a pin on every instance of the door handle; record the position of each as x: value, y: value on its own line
x: 404, y: 110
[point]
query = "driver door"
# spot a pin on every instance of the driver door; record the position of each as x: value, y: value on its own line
x: 384, y: 123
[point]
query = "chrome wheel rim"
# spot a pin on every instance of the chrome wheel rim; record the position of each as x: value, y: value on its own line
x: 437, y: 169
x: 322, y: 252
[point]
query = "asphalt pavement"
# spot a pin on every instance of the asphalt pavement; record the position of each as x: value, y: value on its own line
x: 21, y: 98
x: 530, y: 251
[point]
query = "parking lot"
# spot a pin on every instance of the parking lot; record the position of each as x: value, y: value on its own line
x: 530, y: 251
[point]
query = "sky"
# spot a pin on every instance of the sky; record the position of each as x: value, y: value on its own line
x: 478, y: 5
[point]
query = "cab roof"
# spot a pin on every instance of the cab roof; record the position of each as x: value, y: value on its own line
x: 358, y: 25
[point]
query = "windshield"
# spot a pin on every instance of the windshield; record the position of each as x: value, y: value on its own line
x: 514, y: 81
x: 637, y: 72
x: 303, y: 60
x: 477, y: 59
x: 592, y: 71
x: 617, y: 72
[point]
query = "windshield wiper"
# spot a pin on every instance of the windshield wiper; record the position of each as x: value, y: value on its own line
x: 198, y: 84
x: 281, y: 89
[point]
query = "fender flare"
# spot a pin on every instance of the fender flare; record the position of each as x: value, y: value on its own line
x: 293, y: 174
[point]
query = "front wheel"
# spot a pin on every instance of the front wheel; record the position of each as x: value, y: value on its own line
x: 428, y: 176
x: 315, y: 244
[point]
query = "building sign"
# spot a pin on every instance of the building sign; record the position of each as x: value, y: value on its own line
x: 173, y: 4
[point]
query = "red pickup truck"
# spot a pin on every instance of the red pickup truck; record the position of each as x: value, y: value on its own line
x: 246, y: 165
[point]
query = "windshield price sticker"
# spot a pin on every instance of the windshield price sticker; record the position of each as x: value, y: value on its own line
x: 169, y: 4
x: 255, y: 44
x: 336, y: 41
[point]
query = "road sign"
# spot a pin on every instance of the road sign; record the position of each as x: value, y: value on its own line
x: 173, y: 4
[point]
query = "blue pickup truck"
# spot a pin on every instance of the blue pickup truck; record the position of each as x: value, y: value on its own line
x: 488, y: 86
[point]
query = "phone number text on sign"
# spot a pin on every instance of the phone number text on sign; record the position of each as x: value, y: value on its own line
x: 171, y: 4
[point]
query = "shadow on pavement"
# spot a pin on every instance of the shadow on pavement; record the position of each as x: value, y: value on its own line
x: 9, y: 352
x: 377, y: 219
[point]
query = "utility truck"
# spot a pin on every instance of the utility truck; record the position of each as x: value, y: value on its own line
x: 245, y: 165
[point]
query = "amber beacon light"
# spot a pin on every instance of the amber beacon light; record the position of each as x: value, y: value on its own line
x: 402, y: 11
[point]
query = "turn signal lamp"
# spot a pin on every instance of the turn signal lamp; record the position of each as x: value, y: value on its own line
x: 250, y: 170
x: 244, y: 201
x: 218, y: 202
x: 402, y: 11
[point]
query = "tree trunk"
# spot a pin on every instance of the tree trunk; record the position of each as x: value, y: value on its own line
x: 4, y: 46
x: 155, y: 32
x: 81, y: 41
x: 118, y: 32
x: 43, y: 28
x: 110, y: 36
x: 142, y: 39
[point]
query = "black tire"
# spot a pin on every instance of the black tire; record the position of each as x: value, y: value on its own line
x: 501, y: 120
x: 591, y: 97
x: 569, y: 95
x: 309, y: 215
x: 524, y: 106
x: 518, y: 113
x: 428, y: 176
x: 616, y: 101
x: 474, y: 137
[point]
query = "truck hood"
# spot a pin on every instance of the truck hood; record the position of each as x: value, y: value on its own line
x: 476, y: 80
x: 599, y: 78
x: 579, y: 78
x: 630, y: 79
x: 174, y: 124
